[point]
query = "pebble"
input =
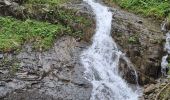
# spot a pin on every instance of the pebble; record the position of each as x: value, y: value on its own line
x: 149, y: 89
x: 1, y: 56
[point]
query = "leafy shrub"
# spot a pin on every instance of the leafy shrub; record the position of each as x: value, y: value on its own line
x: 155, y: 8
x: 14, y: 33
x: 46, y: 1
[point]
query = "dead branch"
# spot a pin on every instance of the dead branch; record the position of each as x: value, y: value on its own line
x: 157, y: 96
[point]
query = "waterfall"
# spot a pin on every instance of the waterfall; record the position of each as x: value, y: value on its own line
x: 164, y: 63
x: 101, y: 60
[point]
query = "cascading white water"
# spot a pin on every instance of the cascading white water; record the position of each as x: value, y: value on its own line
x: 164, y: 63
x: 101, y: 61
x: 167, y: 44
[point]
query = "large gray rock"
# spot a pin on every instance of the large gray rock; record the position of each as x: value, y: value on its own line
x: 55, y: 74
x: 141, y: 40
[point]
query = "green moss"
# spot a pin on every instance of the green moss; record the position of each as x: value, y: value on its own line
x: 133, y: 39
x: 14, y: 33
x: 169, y: 72
x: 14, y: 68
x: 154, y: 8
x: 43, y: 21
x: 168, y: 18
x: 165, y: 94
x: 56, y: 2
x: 70, y: 18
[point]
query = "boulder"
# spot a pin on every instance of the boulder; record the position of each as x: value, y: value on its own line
x: 149, y: 89
x: 55, y: 74
x: 142, y: 42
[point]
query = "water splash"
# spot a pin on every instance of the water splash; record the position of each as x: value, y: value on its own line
x: 167, y: 44
x: 164, y: 63
x: 101, y: 61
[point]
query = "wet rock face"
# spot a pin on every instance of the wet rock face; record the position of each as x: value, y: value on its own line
x: 11, y: 7
x: 54, y: 75
x: 141, y: 40
x: 7, y: 2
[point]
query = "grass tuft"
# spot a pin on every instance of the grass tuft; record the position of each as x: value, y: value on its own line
x: 158, y: 9
x: 14, y: 33
x: 56, y: 2
x: 59, y: 21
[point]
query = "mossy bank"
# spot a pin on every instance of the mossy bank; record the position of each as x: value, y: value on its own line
x: 40, y: 23
x: 156, y: 9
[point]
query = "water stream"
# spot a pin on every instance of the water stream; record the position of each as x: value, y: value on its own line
x: 101, y: 60
x: 164, y: 63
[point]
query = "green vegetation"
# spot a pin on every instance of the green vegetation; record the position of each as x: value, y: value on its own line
x: 13, y: 33
x: 169, y: 72
x: 168, y: 17
x: 168, y: 67
x: 55, y: 14
x: 133, y: 39
x: 56, y: 2
x: 150, y: 8
x: 14, y: 68
x: 164, y: 95
x: 42, y: 21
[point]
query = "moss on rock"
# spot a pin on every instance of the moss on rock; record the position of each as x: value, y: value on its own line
x: 41, y: 22
x: 158, y: 9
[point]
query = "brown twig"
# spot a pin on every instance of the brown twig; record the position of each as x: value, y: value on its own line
x: 157, y: 96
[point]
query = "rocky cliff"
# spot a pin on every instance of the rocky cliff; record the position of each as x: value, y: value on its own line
x: 57, y: 74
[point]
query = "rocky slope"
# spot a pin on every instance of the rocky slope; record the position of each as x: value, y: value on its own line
x: 57, y: 73
x: 158, y: 91
x: 52, y: 75
x: 141, y: 40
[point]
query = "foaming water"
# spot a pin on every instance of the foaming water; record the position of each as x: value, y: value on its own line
x: 164, y: 63
x: 101, y: 61
x: 167, y: 44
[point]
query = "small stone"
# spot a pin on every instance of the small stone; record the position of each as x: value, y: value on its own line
x: 2, y: 83
x: 145, y: 86
x: 1, y: 56
x: 163, y: 84
x: 4, y: 71
x: 149, y: 89
x: 140, y: 21
x: 168, y: 76
x: 7, y: 2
